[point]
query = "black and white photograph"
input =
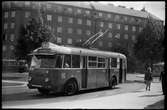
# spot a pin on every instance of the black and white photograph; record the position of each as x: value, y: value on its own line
x: 83, y: 55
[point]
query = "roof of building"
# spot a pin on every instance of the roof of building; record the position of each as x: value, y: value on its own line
x: 110, y: 8
x: 76, y: 4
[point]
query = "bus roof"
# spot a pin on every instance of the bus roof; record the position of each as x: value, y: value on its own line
x: 56, y: 49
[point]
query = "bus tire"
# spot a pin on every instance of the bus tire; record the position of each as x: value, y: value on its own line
x: 70, y: 87
x: 43, y: 91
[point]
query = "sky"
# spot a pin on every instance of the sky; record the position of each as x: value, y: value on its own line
x: 156, y: 8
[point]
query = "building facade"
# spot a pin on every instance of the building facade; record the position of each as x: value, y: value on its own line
x: 72, y: 22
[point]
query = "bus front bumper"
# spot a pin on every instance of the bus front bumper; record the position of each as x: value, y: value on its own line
x: 34, y: 86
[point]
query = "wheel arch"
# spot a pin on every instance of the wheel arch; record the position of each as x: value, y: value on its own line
x: 71, y: 79
x: 115, y: 77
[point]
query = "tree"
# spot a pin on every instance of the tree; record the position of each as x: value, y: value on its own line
x: 131, y: 60
x: 149, y: 47
x: 31, y: 37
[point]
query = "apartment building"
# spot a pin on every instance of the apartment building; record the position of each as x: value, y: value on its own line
x: 72, y: 22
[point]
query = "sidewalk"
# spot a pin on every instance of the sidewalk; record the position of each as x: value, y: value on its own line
x: 14, y: 74
x: 133, y: 100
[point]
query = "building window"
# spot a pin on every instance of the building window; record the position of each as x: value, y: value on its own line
x: 117, y: 17
x: 69, y: 30
x: 8, y: 4
x: 49, y: 17
x: 27, y: 3
x: 12, y: 25
x: 140, y: 29
x: 59, y: 8
x: 59, y: 29
x: 88, y: 22
x: 13, y: 14
x: 133, y: 28
x: 27, y: 14
x: 126, y: 27
x: 88, y: 32
x: 110, y: 25
x: 69, y: 10
x: 59, y: 40
x: 6, y: 15
x: 100, y: 14
x: 118, y: 26
x: 12, y: 37
x: 70, y: 20
x: 117, y: 36
x: 125, y: 18
x: 60, y: 19
x: 79, y: 21
x: 12, y: 47
x: 5, y: 26
x: 109, y: 44
x: 100, y: 43
x: 126, y: 36
x: 110, y: 35
x: 79, y: 11
x: 109, y: 15
x: 4, y: 48
x: 87, y: 12
x: 79, y: 31
x: 134, y: 38
x: 132, y: 19
x: 69, y: 41
x: 48, y: 6
x: 101, y: 24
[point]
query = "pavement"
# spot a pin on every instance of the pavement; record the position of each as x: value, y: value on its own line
x: 139, y: 99
x: 132, y: 100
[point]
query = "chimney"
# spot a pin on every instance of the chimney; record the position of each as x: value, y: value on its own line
x: 143, y: 9
x: 121, y: 6
x: 131, y: 8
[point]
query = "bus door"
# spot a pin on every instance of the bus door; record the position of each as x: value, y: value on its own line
x: 109, y: 70
x: 84, y: 72
x: 120, y: 71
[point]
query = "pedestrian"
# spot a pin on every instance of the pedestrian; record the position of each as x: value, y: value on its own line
x: 148, y: 78
x: 162, y: 78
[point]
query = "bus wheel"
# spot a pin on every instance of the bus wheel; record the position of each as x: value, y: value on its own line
x: 70, y: 87
x: 43, y: 91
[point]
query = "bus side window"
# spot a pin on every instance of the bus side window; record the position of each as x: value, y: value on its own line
x: 75, y: 61
x: 101, y: 62
x: 58, y: 61
x: 92, y: 62
x: 67, y: 61
x: 114, y: 62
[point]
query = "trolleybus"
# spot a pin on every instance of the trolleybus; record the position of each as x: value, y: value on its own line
x: 56, y: 68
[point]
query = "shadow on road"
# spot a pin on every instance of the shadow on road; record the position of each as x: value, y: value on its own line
x: 151, y: 95
x: 134, y: 81
x: 157, y: 105
x: 37, y: 95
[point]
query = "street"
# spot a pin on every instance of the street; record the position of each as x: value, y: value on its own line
x: 131, y: 94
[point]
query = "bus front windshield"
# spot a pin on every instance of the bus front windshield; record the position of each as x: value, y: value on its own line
x: 46, y: 61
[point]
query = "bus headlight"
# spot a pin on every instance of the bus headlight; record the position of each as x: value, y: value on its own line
x: 46, y: 79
